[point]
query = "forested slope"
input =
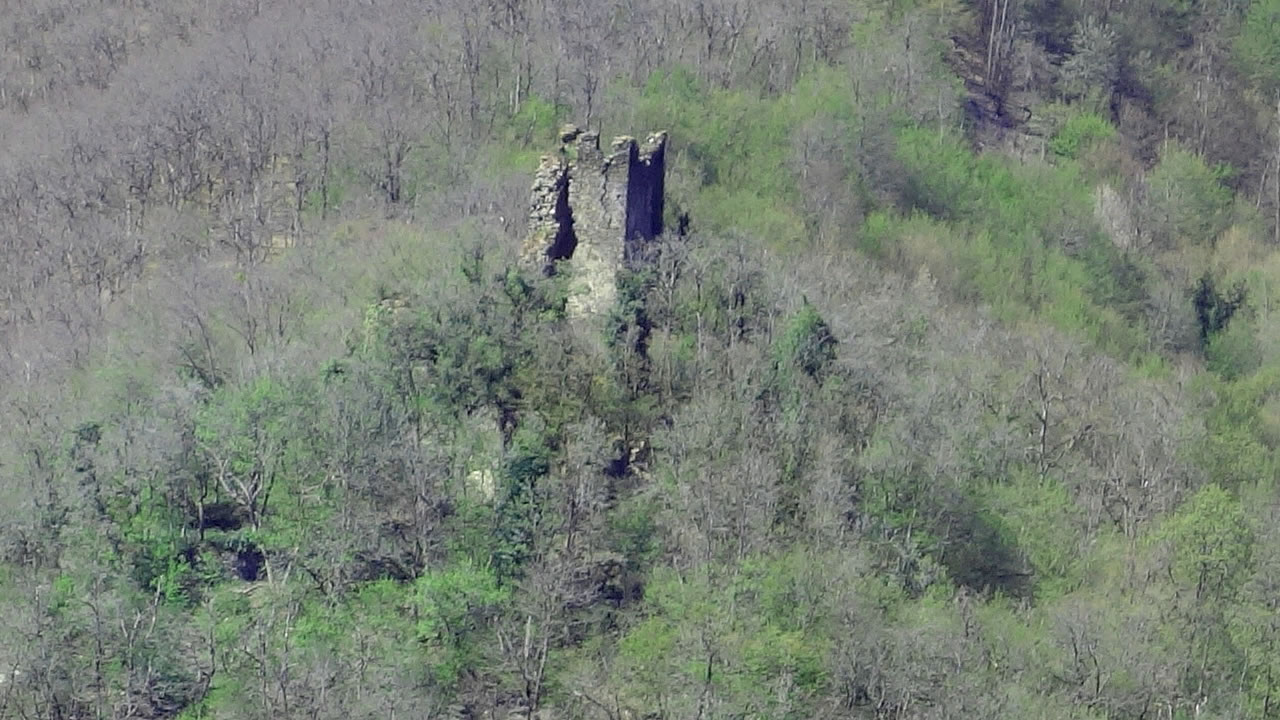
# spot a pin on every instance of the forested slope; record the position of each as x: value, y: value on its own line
x: 956, y: 396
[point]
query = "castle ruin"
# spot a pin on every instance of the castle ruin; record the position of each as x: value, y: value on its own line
x: 592, y: 212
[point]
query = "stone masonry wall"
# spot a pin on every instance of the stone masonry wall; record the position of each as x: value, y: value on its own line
x: 594, y: 210
x: 551, y: 235
x: 646, y: 188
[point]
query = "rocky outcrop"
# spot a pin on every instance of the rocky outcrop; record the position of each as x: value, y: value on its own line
x: 591, y: 211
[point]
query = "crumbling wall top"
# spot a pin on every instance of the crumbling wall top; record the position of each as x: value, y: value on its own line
x: 595, y: 209
x: 653, y: 145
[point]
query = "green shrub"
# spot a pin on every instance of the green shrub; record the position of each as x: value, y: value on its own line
x: 1078, y: 133
x: 1187, y: 199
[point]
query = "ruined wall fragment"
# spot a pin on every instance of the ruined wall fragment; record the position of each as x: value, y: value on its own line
x: 595, y: 209
x: 646, y: 188
x: 551, y: 235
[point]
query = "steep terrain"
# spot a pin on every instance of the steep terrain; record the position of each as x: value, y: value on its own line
x: 924, y: 368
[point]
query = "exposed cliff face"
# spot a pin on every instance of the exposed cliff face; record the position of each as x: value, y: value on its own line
x: 595, y: 210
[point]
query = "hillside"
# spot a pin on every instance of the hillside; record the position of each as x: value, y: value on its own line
x: 947, y: 385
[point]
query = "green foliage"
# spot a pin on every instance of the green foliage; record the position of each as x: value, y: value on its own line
x: 519, y: 508
x: 1043, y: 522
x: 1257, y: 48
x: 717, y: 637
x: 153, y: 537
x: 1255, y: 628
x: 455, y: 607
x: 806, y: 343
x: 946, y: 179
x: 1237, y: 451
x: 1019, y: 239
x: 1235, y: 458
x: 633, y: 531
x: 694, y: 509
x: 629, y: 316
x: 527, y: 134
x: 745, y: 155
x: 719, y: 208
x: 1210, y: 541
x: 1189, y: 202
x: 469, y: 350
x: 243, y: 425
x: 1080, y: 131
x: 735, y: 138
x: 1234, y: 352
x: 734, y: 142
x: 261, y: 446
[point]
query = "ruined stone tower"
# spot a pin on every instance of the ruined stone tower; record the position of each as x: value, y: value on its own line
x: 594, y: 211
